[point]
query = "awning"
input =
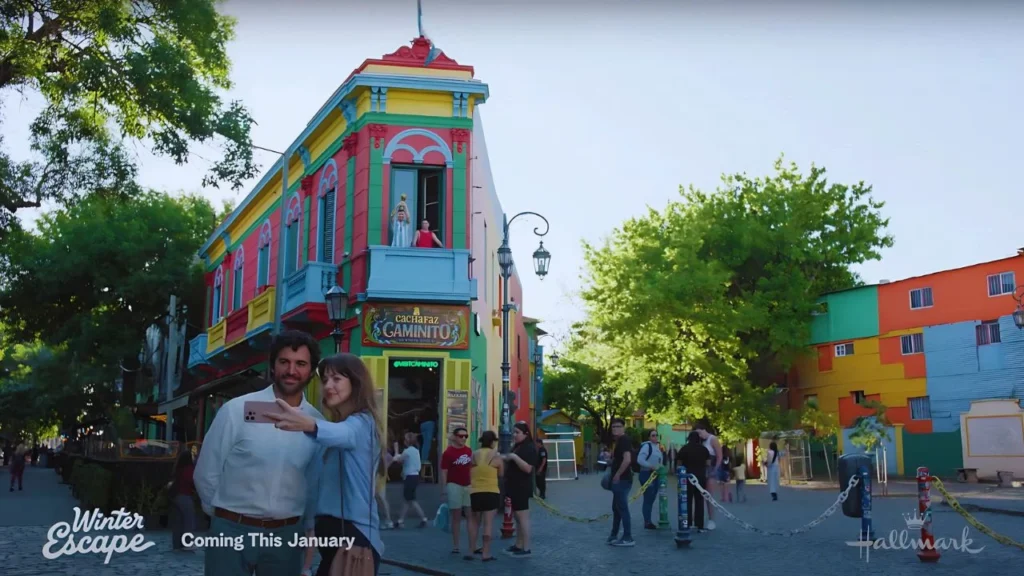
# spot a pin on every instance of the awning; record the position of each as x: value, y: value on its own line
x: 214, y: 384
x: 173, y: 404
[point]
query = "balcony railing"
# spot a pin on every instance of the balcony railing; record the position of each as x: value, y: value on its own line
x: 261, y: 311
x: 237, y: 322
x: 197, y: 351
x: 308, y: 284
x: 216, y: 336
x: 420, y: 275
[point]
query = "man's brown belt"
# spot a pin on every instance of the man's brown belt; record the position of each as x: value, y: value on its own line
x: 256, y: 522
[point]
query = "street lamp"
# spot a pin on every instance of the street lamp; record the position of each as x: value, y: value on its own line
x: 337, y: 307
x: 554, y: 359
x: 1018, y: 314
x: 541, y: 262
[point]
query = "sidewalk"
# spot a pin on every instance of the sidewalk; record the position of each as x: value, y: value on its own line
x: 973, y: 497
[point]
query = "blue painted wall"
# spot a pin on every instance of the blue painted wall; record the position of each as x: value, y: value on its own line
x: 890, y: 448
x: 960, y: 371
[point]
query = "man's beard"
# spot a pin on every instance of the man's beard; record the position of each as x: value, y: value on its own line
x: 281, y: 386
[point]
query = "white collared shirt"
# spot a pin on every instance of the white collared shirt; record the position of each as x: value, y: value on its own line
x: 255, y: 469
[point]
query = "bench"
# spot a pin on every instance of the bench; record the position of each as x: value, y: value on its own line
x: 969, y: 475
x: 1005, y: 478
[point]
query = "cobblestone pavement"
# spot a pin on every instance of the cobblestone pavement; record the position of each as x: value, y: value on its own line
x: 560, y: 547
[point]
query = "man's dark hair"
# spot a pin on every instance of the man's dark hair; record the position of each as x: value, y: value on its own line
x: 702, y: 424
x: 294, y: 339
x: 617, y: 421
x: 460, y: 429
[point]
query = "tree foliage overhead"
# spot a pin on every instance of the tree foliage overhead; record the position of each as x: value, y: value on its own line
x: 96, y: 275
x: 586, y: 381
x: 712, y: 296
x: 111, y: 71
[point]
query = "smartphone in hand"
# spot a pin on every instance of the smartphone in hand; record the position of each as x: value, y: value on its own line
x: 256, y: 412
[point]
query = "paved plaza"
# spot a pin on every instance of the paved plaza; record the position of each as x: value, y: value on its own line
x: 564, y: 548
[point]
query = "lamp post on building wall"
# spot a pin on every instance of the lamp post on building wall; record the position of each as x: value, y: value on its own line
x: 337, y: 308
x: 541, y: 260
x: 1018, y: 314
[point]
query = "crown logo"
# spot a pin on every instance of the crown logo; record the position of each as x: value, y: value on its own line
x: 914, y: 521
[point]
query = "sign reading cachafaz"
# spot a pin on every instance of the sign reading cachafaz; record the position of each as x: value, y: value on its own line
x: 416, y: 326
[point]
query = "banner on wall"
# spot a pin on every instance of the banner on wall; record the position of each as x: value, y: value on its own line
x: 416, y: 326
x: 457, y: 409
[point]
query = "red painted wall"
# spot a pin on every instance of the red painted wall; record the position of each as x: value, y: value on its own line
x: 849, y: 411
x: 958, y: 295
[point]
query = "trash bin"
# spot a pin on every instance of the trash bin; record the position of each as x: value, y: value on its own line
x: 848, y: 465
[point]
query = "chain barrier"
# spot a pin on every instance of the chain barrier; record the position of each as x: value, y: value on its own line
x: 955, y: 505
x: 748, y: 526
x: 554, y: 511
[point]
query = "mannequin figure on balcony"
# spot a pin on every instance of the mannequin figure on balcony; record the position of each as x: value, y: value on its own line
x: 425, y: 238
x: 401, y: 225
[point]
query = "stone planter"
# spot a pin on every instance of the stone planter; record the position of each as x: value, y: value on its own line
x: 1005, y: 479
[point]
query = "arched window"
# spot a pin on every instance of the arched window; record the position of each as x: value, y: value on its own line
x: 263, y: 255
x: 326, y: 210
x: 218, y: 293
x: 291, y: 238
x: 238, y: 279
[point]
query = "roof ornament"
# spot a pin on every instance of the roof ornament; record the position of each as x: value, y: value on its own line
x: 434, y: 50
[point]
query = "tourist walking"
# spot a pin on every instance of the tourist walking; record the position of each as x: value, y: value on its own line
x: 410, y: 459
x: 456, y: 463
x: 182, y: 490
x: 740, y: 473
x: 519, y: 466
x: 771, y: 465
x: 484, y: 497
x: 620, y: 485
x: 714, y: 448
x: 239, y: 456
x: 349, y: 461
x: 18, y: 466
x: 694, y: 456
x: 542, y: 470
x: 650, y: 459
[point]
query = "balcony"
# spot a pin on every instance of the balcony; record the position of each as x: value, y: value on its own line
x: 420, y: 275
x: 197, y: 351
x: 304, y: 292
x: 236, y: 325
x: 261, y: 312
x: 216, y: 335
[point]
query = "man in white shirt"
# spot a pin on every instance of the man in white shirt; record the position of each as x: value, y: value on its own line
x: 255, y: 479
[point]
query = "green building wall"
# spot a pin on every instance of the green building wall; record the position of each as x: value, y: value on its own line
x: 850, y: 314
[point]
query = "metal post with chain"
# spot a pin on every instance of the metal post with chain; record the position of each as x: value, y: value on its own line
x: 748, y: 526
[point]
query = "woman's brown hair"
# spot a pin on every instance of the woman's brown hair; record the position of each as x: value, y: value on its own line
x: 362, y: 399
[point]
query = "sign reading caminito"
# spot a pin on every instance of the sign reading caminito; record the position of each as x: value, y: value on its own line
x: 416, y: 326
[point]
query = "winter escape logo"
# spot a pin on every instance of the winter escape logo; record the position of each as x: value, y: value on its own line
x: 60, y: 539
x: 901, y: 540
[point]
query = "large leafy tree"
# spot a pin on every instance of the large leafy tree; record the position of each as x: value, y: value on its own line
x: 712, y: 296
x: 586, y: 381
x: 96, y: 275
x: 110, y: 72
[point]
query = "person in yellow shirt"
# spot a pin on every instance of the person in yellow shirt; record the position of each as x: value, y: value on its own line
x: 484, y: 497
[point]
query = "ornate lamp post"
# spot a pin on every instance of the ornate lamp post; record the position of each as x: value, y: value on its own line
x: 1018, y: 314
x: 541, y: 261
x: 337, y: 308
x: 554, y: 359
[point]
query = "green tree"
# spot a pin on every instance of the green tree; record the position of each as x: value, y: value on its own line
x: 712, y: 296
x: 96, y: 275
x: 108, y: 71
x: 870, y: 431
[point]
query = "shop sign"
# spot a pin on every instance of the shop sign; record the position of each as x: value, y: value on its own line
x: 416, y: 326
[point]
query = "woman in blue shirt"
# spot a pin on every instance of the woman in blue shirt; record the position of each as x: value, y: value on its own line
x: 349, y: 400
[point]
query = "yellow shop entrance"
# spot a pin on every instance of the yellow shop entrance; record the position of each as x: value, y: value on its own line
x: 414, y: 402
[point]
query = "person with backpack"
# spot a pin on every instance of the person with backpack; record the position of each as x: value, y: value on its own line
x: 649, y: 459
x: 621, y: 472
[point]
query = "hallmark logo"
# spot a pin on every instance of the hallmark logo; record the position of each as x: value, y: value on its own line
x: 901, y: 539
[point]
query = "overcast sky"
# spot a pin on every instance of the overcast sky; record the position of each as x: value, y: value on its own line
x: 598, y: 109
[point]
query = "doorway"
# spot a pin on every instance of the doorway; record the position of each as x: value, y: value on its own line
x: 414, y: 397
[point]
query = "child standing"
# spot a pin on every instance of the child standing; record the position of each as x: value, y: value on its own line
x: 740, y: 472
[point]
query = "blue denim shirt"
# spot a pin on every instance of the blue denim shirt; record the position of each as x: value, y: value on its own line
x: 356, y: 439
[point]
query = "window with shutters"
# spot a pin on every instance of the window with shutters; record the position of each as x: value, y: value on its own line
x: 423, y: 188
x: 218, y: 294
x: 238, y: 280
x: 325, y: 225
x: 291, y: 236
x: 263, y: 255
x: 844, y: 349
